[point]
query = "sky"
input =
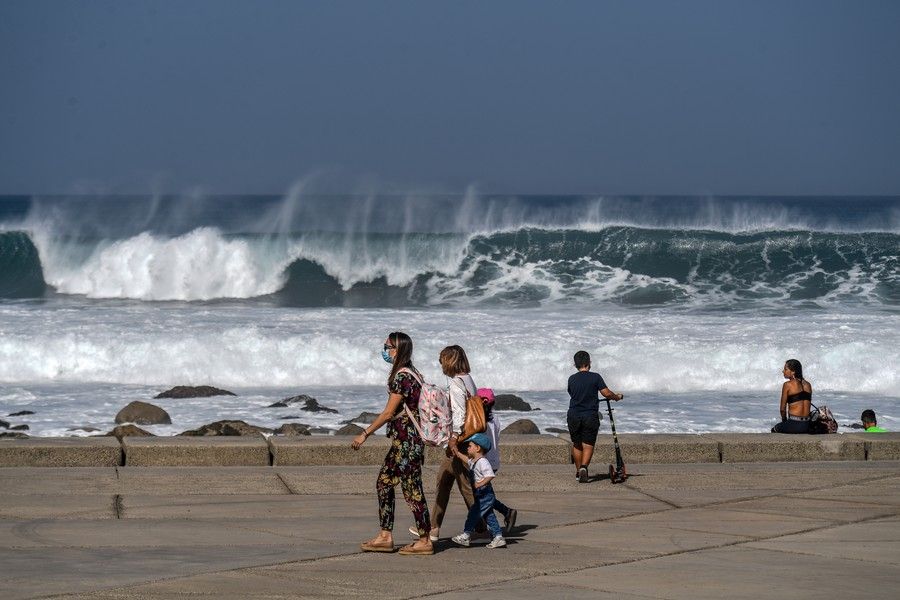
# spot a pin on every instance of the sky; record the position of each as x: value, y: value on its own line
x: 710, y: 97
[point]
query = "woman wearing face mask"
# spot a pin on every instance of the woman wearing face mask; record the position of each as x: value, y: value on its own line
x: 403, y: 462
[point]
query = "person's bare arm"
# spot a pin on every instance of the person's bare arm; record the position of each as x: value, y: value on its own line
x: 390, y: 409
x: 784, y: 395
x: 608, y: 393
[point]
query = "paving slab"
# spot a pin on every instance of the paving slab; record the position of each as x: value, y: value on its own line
x: 719, y: 519
x: 52, y: 506
x: 193, y: 480
x: 244, y: 506
x: 885, y: 491
x: 777, y: 447
x: 61, y: 452
x: 189, y: 451
x: 832, y: 511
x: 536, y: 590
x: 876, y: 541
x: 40, y: 572
x: 134, y: 533
x: 58, y: 480
x: 644, y: 539
x: 739, y: 573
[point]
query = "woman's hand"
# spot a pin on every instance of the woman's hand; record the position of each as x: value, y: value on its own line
x: 451, y: 446
x: 358, y: 440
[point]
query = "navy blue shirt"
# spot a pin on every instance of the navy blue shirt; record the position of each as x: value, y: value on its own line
x: 584, y: 392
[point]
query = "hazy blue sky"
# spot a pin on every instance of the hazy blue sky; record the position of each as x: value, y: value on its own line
x: 691, y: 97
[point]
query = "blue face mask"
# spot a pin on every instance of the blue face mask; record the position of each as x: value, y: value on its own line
x: 387, y: 357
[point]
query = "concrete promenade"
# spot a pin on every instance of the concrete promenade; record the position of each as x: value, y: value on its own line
x: 693, y: 531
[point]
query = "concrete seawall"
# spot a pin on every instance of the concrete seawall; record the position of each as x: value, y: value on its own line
x: 228, y: 451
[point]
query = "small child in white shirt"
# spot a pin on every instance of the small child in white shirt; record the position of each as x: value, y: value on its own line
x: 480, y: 474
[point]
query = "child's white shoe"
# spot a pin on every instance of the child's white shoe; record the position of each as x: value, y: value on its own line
x: 497, y: 542
x: 463, y: 539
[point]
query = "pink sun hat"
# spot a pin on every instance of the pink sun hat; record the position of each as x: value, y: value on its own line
x: 486, y: 394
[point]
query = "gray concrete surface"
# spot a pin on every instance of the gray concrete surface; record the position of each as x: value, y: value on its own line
x: 745, y: 530
x: 61, y: 452
x: 517, y: 449
x: 765, y: 447
x: 188, y: 451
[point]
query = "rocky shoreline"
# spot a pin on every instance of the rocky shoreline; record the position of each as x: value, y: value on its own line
x: 136, y: 413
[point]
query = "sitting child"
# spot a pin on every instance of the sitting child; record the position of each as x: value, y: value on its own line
x: 480, y: 474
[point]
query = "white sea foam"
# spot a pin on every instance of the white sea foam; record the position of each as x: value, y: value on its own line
x: 652, y: 351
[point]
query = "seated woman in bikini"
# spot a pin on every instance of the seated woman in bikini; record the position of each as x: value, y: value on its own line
x: 796, y: 398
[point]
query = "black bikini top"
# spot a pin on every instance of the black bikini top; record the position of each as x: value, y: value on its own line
x: 799, y: 397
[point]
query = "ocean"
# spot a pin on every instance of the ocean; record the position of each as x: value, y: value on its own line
x: 688, y: 305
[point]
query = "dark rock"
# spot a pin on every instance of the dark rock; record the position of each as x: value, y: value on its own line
x: 511, y: 402
x: 321, y: 430
x: 289, y: 417
x: 15, y: 435
x: 350, y: 429
x: 4, y: 424
x: 310, y: 404
x: 193, y: 391
x: 19, y: 428
x: 556, y: 430
x: 128, y: 431
x: 85, y: 429
x: 293, y: 429
x: 851, y: 425
x: 143, y: 413
x: 521, y: 426
x: 364, y: 417
x: 21, y: 413
x: 227, y: 428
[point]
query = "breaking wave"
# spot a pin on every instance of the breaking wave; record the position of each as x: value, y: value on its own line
x: 448, y: 261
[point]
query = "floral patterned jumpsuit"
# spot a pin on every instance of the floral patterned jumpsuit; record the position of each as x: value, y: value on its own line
x: 403, y: 462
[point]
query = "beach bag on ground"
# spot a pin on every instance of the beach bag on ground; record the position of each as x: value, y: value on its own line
x: 821, y: 420
x: 433, y: 421
x: 475, y: 421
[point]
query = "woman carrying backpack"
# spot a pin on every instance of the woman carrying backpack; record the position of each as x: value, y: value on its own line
x: 403, y: 462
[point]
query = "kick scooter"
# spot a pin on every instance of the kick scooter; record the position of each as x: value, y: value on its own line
x: 617, y: 474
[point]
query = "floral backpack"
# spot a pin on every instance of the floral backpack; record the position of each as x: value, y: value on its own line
x: 434, y: 422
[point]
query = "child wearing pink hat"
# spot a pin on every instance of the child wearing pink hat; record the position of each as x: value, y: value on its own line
x: 493, y: 455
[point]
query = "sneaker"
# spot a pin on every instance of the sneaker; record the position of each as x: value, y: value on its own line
x: 415, y: 533
x: 583, y: 475
x: 509, y: 521
x: 497, y: 542
x: 463, y: 539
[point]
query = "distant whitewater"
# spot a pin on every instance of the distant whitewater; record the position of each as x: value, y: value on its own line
x: 688, y: 305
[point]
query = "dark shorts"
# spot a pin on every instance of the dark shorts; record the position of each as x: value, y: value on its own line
x: 790, y: 426
x: 583, y: 428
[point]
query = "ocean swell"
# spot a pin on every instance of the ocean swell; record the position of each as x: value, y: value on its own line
x: 622, y: 265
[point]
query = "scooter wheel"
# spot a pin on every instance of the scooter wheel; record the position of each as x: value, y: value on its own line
x: 612, y: 474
